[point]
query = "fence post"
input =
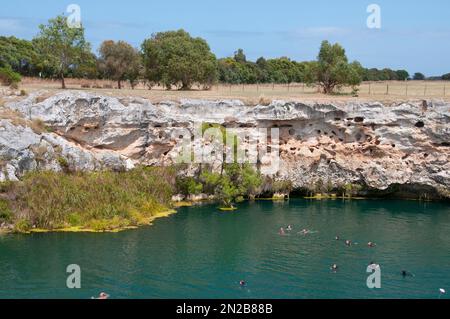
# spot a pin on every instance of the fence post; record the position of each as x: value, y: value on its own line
x: 387, y: 89
x: 370, y: 88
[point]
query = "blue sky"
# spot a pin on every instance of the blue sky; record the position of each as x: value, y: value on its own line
x: 414, y: 34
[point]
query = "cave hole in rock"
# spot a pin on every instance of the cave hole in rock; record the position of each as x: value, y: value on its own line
x: 420, y: 124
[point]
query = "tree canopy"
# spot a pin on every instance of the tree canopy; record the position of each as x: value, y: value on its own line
x: 418, y: 76
x: 19, y: 54
x: 332, y: 70
x: 119, y: 61
x: 174, y: 58
x: 61, y: 47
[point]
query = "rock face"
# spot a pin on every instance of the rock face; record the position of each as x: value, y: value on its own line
x: 376, y: 145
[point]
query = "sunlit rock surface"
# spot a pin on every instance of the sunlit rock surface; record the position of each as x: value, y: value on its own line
x: 347, y: 142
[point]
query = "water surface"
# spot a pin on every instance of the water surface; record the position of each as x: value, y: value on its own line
x: 201, y: 252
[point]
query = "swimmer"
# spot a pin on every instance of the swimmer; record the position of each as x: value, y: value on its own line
x: 103, y: 295
x: 371, y: 244
x: 348, y: 242
x: 407, y: 274
x: 242, y: 283
x: 334, y: 267
x: 282, y: 232
x: 373, y: 265
x: 304, y: 232
x: 289, y: 228
x: 336, y: 238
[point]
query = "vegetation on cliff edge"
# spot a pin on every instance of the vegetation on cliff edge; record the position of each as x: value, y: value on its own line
x: 100, y: 201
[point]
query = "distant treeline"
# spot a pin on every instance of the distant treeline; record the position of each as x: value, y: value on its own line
x: 173, y: 59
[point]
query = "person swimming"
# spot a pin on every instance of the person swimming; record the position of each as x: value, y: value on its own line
x: 373, y: 265
x: 242, y: 283
x: 103, y: 295
x: 289, y: 227
x: 336, y: 238
x: 371, y: 244
x: 407, y: 274
x: 282, y: 232
x: 305, y: 232
x: 348, y: 242
x: 334, y: 267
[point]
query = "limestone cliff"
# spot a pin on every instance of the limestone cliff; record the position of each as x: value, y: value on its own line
x: 404, y: 146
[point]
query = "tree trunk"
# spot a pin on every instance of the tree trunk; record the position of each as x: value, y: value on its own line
x: 63, y: 82
x: 119, y: 84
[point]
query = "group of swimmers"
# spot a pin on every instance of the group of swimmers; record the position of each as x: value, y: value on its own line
x: 348, y: 242
x: 289, y: 228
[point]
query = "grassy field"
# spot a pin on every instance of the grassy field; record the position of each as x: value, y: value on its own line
x: 253, y: 94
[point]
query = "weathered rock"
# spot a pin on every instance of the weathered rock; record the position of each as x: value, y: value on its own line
x: 352, y: 142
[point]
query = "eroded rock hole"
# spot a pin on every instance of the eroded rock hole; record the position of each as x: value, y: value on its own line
x: 420, y: 124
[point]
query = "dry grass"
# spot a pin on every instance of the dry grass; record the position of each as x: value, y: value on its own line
x: 255, y: 94
x: 17, y: 119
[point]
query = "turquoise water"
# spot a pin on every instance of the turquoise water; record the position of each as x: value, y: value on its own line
x: 203, y: 253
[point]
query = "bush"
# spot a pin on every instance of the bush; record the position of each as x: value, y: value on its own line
x: 188, y: 186
x: 9, y: 77
x: 5, y: 211
x: 54, y: 200
x: 22, y: 226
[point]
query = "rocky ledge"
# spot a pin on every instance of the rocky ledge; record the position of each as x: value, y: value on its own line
x: 403, y: 147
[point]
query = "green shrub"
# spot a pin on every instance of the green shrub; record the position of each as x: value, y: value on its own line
x: 8, y: 76
x: 5, y: 211
x: 22, y: 226
x: 54, y: 200
x: 188, y: 186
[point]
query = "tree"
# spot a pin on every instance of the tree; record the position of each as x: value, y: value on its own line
x: 8, y: 76
x: 446, y: 77
x: 61, y: 47
x: 418, y: 76
x: 402, y: 75
x: 174, y: 58
x: 332, y: 69
x: 239, y: 56
x: 119, y: 61
x: 19, y: 54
